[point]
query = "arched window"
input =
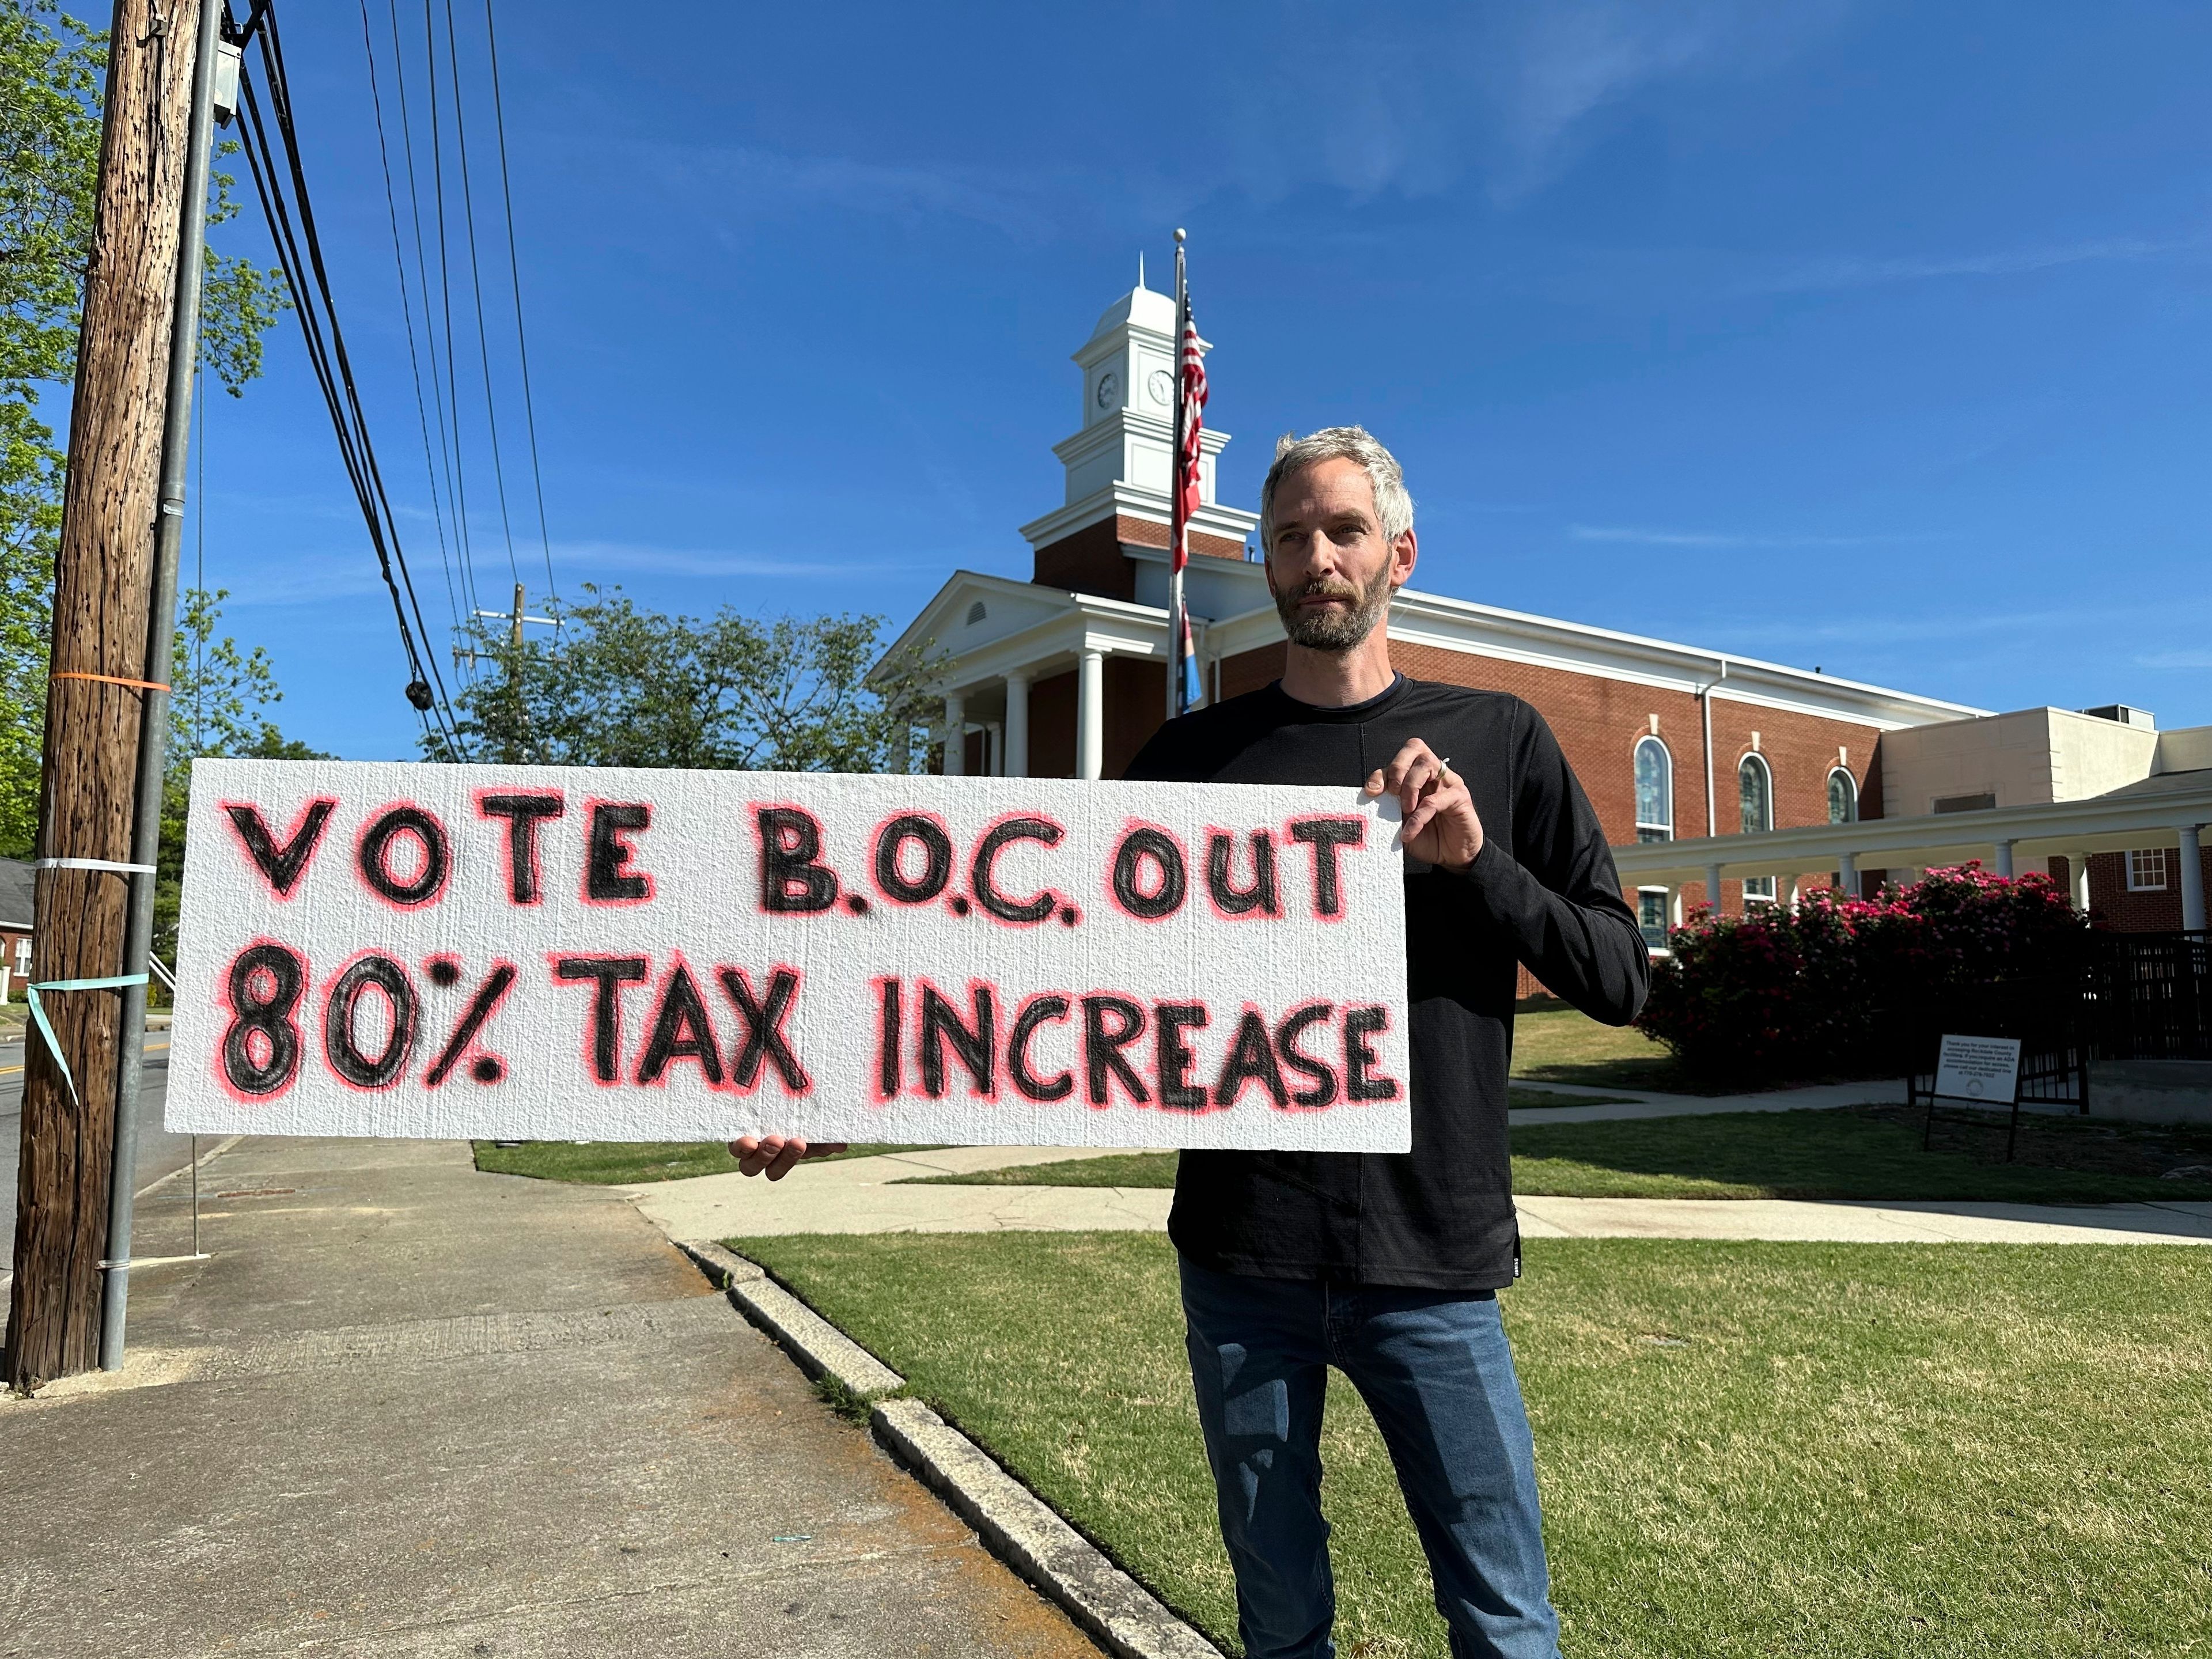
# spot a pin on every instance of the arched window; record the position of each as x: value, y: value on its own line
x: 1755, y: 790
x: 1843, y: 797
x: 1655, y: 791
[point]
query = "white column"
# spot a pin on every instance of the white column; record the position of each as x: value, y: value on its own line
x: 956, y: 734
x: 1090, y: 716
x: 1673, y: 907
x: 994, y: 749
x: 1847, y: 874
x: 1018, y: 726
x: 2004, y: 858
x: 2077, y: 870
x: 2193, y: 878
x: 1713, y: 888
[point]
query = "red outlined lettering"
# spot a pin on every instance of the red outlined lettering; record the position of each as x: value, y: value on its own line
x: 1111, y: 1023
x: 891, y: 1003
x: 982, y: 871
x: 281, y: 866
x: 973, y: 1036
x: 1361, y: 1080
x: 1321, y: 1089
x: 681, y: 1029
x: 764, y: 1016
x: 523, y: 813
x: 1230, y: 902
x: 1149, y: 875
x: 258, y: 1058
x: 608, y: 878
x: 343, y: 1057
x: 793, y: 880
x: 1037, y: 1011
x: 1172, y: 1059
x: 1251, y: 1059
x: 486, y: 1067
x: 607, y: 974
x: 402, y: 822
x: 891, y: 861
x: 1325, y: 834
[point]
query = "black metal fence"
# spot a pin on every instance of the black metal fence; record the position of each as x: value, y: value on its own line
x: 2149, y: 996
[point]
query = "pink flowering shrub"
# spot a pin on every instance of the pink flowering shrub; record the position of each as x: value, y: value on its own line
x: 1847, y: 987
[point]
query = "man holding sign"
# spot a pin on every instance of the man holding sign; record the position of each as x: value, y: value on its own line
x: 1387, y: 1266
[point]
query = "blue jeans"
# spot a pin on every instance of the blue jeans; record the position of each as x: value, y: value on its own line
x: 1434, y: 1369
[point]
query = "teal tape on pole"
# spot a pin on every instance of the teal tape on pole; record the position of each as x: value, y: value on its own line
x: 39, y: 1014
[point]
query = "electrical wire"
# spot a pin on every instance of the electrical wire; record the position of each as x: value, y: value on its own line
x: 515, y: 271
x: 407, y: 310
x: 331, y: 364
x: 446, y: 296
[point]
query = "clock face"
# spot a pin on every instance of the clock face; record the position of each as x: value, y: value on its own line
x: 1161, y: 387
x: 1109, y: 387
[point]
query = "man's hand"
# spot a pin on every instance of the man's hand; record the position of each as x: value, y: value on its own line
x: 774, y: 1155
x: 1441, y: 826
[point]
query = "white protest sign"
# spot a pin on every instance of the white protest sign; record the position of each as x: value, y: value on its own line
x: 1979, y: 1068
x: 372, y: 948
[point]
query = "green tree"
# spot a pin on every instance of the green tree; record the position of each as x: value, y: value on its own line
x: 51, y: 69
x: 219, y: 704
x: 621, y: 686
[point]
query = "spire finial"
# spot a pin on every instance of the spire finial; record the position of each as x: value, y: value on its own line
x: 1178, y: 233
x: 1140, y: 267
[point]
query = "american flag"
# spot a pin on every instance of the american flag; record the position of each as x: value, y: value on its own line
x: 1190, y: 421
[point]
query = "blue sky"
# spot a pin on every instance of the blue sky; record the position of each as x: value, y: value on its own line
x: 1870, y: 336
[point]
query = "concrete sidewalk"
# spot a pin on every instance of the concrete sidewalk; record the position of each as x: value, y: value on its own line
x: 1644, y: 1102
x: 863, y: 1195
x: 410, y: 1409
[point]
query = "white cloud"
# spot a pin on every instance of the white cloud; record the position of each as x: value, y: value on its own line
x: 617, y: 557
x: 2176, y: 659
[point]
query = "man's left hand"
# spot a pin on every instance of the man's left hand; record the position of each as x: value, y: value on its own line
x: 1441, y: 825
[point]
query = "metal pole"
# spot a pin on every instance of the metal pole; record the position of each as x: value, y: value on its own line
x: 153, y: 719
x: 1174, y: 495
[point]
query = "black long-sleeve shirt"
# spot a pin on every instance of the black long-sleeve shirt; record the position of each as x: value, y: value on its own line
x: 1542, y: 891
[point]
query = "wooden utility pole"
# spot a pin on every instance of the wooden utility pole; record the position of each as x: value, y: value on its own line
x: 102, y: 586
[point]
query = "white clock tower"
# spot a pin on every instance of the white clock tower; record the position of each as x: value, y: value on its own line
x: 1119, y: 463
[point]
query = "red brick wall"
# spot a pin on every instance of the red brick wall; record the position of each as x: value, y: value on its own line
x: 1052, y: 726
x: 1090, y: 560
x: 2111, y: 905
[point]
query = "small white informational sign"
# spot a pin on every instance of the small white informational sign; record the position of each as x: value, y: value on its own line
x: 372, y: 948
x: 1979, y: 1068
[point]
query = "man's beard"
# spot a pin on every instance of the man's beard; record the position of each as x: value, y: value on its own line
x: 1335, y: 630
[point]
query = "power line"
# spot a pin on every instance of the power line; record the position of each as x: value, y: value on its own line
x: 446, y: 296
x: 515, y: 271
x: 331, y: 364
x: 407, y: 308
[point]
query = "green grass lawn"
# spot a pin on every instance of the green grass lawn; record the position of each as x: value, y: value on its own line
x: 622, y: 1163
x: 1830, y: 1154
x: 1564, y: 1045
x: 1835, y: 1451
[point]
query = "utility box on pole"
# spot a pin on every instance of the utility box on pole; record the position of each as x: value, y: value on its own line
x: 98, y: 677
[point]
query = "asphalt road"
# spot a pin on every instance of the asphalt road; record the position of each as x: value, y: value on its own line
x: 159, y: 1152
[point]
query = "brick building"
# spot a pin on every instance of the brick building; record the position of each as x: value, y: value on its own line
x: 1678, y: 746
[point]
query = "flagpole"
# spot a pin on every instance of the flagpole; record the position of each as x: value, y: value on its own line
x: 1176, y: 531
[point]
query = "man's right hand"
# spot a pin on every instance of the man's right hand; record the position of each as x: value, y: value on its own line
x: 774, y: 1155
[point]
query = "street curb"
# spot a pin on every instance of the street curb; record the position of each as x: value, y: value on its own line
x: 1029, y: 1536
x: 1014, y: 1523
x: 820, y: 1348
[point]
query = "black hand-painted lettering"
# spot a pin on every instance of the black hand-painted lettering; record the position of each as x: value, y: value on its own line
x: 1144, y: 846
x: 1102, y: 1043
x: 1325, y: 836
x: 489, y: 996
x: 793, y: 880
x: 1317, y: 1074
x: 975, y: 1045
x: 980, y: 875
x: 341, y: 1039
x: 1171, y: 1055
x: 607, y: 875
x: 608, y: 975
x: 1031, y: 1086
x: 763, y: 1018
x: 523, y: 813
x: 1251, y: 1059
x: 681, y: 1030
x: 937, y: 852
x: 889, y: 1062
x: 281, y: 866
x: 376, y: 855
x: 1361, y: 1080
x: 266, y: 983
x: 1233, y: 901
